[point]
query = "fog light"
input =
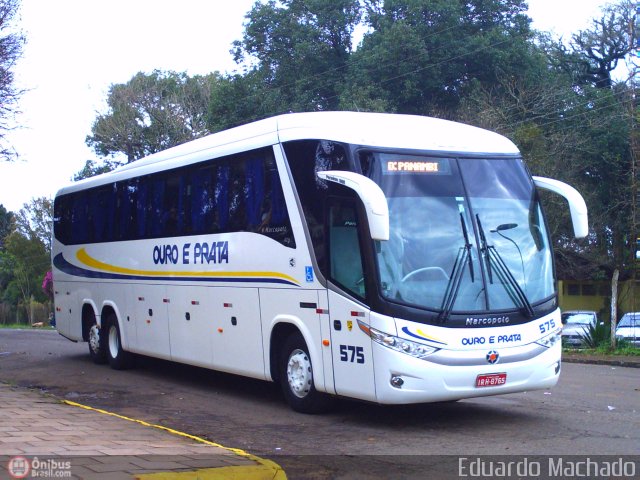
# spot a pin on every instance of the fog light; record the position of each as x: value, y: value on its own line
x: 396, y: 381
x: 557, y: 368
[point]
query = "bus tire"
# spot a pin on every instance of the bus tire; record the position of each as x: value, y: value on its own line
x: 296, y: 378
x: 97, y: 345
x: 118, y: 358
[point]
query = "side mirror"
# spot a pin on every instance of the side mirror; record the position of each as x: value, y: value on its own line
x: 372, y: 196
x: 577, y: 206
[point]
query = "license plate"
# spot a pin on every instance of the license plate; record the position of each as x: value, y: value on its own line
x: 491, y: 379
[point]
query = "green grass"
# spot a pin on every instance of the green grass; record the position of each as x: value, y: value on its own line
x: 605, y: 350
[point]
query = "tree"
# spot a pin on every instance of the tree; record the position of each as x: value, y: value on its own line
x: 25, y: 261
x: 239, y: 99
x: 6, y: 224
x: 594, y: 53
x: 150, y: 113
x: 425, y: 56
x: 34, y: 221
x: 300, y: 50
x: 92, y: 168
x: 578, y: 126
x: 11, y: 43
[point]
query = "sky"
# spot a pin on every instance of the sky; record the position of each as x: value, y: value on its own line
x: 76, y: 49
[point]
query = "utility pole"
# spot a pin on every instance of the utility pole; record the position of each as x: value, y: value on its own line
x: 634, y: 38
x: 634, y: 152
x: 634, y: 145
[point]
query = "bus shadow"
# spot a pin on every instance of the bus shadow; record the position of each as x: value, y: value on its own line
x: 163, y: 379
x: 465, y: 414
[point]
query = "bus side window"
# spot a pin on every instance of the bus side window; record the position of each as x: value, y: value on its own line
x: 155, y: 208
x: 126, y: 211
x: 99, y: 203
x: 306, y: 158
x: 221, y: 195
x: 272, y: 214
x: 254, y: 191
x: 141, y: 206
x: 79, y: 215
x: 344, y: 249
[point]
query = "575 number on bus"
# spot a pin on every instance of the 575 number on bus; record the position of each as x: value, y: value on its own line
x: 351, y: 353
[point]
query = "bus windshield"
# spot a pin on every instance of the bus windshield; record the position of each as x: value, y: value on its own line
x: 466, y: 234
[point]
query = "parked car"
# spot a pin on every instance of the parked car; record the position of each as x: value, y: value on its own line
x: 576, y: 325
x: 629, y: 328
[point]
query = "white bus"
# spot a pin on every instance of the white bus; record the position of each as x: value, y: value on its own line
x: 388, y: 258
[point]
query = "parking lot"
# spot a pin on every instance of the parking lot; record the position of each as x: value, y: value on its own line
x: 592, y: 411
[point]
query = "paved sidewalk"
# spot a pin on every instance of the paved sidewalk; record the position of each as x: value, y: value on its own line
x: 45, y: 437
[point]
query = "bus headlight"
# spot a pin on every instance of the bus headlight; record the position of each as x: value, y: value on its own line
x: 402, y: 345
x: 551, y: 339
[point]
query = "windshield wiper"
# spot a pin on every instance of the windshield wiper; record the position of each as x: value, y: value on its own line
x: 503, y: 273
x: 453, y: 286
x: 484, y: 249
x: 467, y: 245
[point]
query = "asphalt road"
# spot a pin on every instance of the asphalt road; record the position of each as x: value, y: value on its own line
x: 593, y: 410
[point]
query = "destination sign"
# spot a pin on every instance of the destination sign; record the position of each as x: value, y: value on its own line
x: 414, y: 165
x: 418, y: 167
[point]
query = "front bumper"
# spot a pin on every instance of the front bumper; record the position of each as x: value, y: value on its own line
x: 436, y: 379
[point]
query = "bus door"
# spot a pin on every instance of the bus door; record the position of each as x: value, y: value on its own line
x: 351, y: 348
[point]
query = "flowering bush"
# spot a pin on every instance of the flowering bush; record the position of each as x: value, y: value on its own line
x: 47, y: 284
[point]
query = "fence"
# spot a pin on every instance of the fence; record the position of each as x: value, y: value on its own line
x: 12, y: 314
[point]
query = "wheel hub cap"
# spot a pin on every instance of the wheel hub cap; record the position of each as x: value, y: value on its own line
x: 299, y: 373
x: 114, y: 344
x: 94, y: 338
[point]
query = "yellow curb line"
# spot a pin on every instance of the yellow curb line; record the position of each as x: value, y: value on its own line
x: 266, y: 470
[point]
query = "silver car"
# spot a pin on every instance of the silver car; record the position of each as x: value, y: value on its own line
x: 576, y: 325
x: 628, y: 328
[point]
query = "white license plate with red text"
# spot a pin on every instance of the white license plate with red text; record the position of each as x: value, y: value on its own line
x: 491, y: 380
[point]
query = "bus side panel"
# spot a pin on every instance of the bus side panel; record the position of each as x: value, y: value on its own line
x: 129, y: 334
x: 237, y: 331
x: 351, y: 349
x: 151, y: 320
x: 63, y: 308
x: 299, y: 308
x: 191, y: 325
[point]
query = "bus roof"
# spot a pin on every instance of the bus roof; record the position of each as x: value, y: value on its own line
x: 370, y: 129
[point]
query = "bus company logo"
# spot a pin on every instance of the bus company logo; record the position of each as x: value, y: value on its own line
x: 19, y: 467
x: 492, y: 357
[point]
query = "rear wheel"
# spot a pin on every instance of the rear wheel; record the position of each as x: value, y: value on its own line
x: 118, y: 358
x: 296, y: 378
x: 97, y: 345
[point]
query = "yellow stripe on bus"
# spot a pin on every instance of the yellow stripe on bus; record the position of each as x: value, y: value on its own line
x: 89, y: 261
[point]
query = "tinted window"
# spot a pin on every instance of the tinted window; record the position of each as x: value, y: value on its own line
x: 237, y: 193
x: 306, y: 158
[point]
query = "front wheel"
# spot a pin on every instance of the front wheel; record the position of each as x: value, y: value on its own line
x: 296, y: 378
x: 118, y: 358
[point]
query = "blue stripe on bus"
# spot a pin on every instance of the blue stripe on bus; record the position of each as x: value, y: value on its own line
x: 64, y: 266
